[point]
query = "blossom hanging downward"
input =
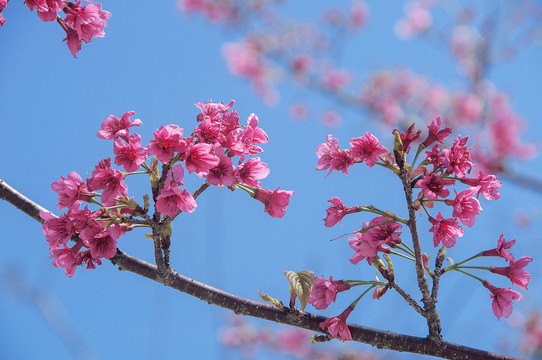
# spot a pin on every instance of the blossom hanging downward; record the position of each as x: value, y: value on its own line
x: 502, y: 300
x: 337, y: 325
x: 275, y: 201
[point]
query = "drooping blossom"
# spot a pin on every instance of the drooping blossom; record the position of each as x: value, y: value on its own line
x: 104, y: 244
x: 337, y: 325
x: 224, y: 172
x: 324, y: 292
x: 500, y: 250
x: 445, y: 230
x: 489, y: 185
x: 200, y: 158
x: 71, y: 191
x: 109, y: 180
x: 325, y: 153
x: 336, y: 212
x: 113, y: 127
x: 515, y: 271
x: 72, y: 39
x: 275, y: 201
x: 457, y: 158
x: 382, y: 231
x: 57, y: 230
x: 434, y: 186
x: 502, y: 300
x: 88, y: 21
x: 435, y: 133
x: 465, y: 205
x: 172, y: 200
x: 86, y: 257
x: 66, y: 258
x: 366, y: 149
x: 130, y: 155
x: 252, y: 171
x: 166, y: 142
x: 46, y: 9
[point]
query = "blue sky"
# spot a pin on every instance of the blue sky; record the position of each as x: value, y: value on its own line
x: 158, y: 63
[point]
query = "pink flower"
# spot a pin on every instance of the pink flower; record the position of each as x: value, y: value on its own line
x: 275, y: 201
x: 57, y: 230
x: 200, y: 158
x: 435, y: 134
x: 381, y: 231
x: 66, y: 258
x: 167, y: 141
x: 109, y: 180
x: 88, y: 21
x: 515, y: 271
x: 489, y: 185
x: 172, y: 200
x: 366, y: 149
x: 445, y: 230
x: 130, y: 155
x: 252, y: 171
x: 466, y: 206
x: 500, y: 251
x: 86, y: 257
x: 175, y: 176
x: 324, y: 292
x: 457, y: 158
x: 104, y: 244
x: 502, y: 300
x: 224, y: 172
x: 433, y: 186
x: 113, y: 127
x: 336, y: 212
x: 337, y: 325
x: 72, y: 39
x: 2, y: 20
x: 325, y: 153
x: 46, y: 9
x: 71, y: 191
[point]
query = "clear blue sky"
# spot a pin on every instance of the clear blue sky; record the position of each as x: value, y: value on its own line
x: 158, y: 63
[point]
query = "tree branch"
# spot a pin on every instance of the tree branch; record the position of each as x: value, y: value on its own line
x: 241, y: 306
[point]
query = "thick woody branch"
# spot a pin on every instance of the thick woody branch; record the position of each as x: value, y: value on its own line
x: 241, y: 306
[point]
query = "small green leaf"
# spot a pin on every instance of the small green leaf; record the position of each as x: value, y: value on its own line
x: 301, y: 284
x: 273, y: 301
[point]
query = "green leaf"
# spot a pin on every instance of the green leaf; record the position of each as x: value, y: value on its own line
x: 301, y: 284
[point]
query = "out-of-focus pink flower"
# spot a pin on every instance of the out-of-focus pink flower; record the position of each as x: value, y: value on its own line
x: 418, y: 19
x: 298, y: 111
x: 104, y: 244
x: 324, y: 292
x: 301, y: 64
x: 502, y: 300
x: 359, y: 13
x: 172, y: 200
x: 336, y: 212
x: 293, y: 341
x: 89, y: 21
x: 335, y: 79
x: 166, y: 142
x: 200, y: 158
x: 130, y: 155
x: 515, y: 272
x: 500, y: 250
x: 368, y: 244
x: 457, y: 158
x: 57, y: 230
x: 46, y: 9
x: 331, y: 119
x: 337, y: 325
x: 66, y: 258
x: 445, y: 230
x: 109, y: 180
x: 434, y: 186
x: 113, y: 127
x: 488, y: 184
x: 466, y: 206
x: 275, y: 201
x: 71, y: 191
x: 366, y: 149
x: 252, y: 171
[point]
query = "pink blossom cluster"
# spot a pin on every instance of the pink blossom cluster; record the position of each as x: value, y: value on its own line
x: 418, y: 18
x: 208, y: 152
x: 285, y: 341
x: 3, y: 4
x: 82, y: 23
